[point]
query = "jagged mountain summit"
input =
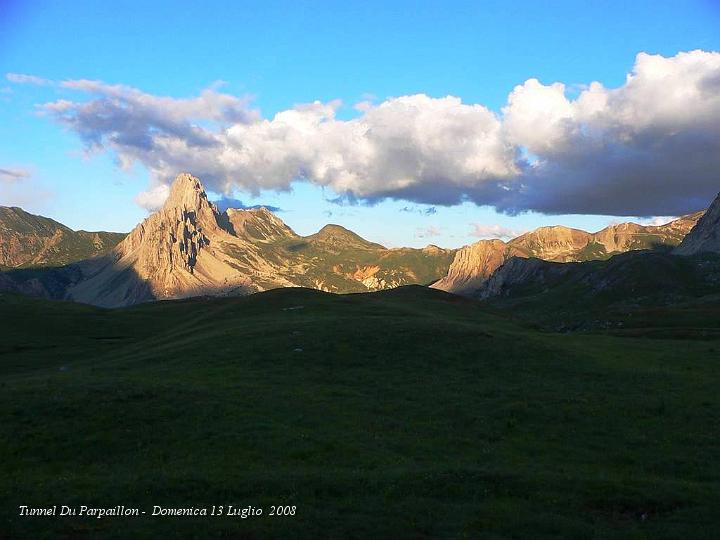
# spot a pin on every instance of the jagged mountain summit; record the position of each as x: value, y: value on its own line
x: 29, y: 240
x: 475, y: 263
x: 705, y: 236
x: 190, y: 248
x: 175, y: 252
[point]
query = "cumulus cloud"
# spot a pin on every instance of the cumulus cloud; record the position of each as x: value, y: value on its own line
x: 412, y: 147
x: 8, y: 174
x: 479, y: 230
x: 21, y: 78
x: 648, y: 147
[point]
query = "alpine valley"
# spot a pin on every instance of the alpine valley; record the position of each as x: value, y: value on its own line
x: 570, y: 387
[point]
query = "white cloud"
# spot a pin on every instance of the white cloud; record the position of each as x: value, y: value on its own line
x: 657, y: 220
x: 13, y: 174
x: 536, y: 116
x: 428, y: 232
x: 649, y: 147
x: 21, y: 78
x: 363, y: 106
x: 154, y: 198
x: 480, y: 230
x: 19, y: 186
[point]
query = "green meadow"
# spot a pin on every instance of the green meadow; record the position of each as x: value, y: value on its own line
x: 409, y: 413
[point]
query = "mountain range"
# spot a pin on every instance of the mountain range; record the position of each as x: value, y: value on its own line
x: 190, y: 248
x: 475, y: 263
x: 668, y: 287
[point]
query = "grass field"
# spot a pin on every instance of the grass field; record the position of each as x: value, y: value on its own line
x: 407, y: 414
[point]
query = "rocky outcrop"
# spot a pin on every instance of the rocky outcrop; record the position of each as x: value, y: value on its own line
x: 473, y: 264
x: 619, y: 237
x: 176, y: 252
x: 705, y: 236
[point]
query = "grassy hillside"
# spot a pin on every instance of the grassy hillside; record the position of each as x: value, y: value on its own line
x: 30, y: 241
x: 408, y: 413
x: 337, y: 260
x: 668, y: 293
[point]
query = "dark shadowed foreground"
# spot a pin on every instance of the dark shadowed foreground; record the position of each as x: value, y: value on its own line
x: 407, y: 413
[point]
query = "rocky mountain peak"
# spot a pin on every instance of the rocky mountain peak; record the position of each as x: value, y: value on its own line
x: 705, y: 236
x: 432, y: 248
x: 186, y: 192
x: 175, y: 236
x: 188, y: 202
x: 172, y: 253
x: 333, y: 229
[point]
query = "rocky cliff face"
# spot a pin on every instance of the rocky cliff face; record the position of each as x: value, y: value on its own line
x: 518, y: 273
x: 174, y: 253
x: 705, y: 236
x: 476, y: 263
x: 172, y: 239
x: 27, y: 240
x: 473, y: 264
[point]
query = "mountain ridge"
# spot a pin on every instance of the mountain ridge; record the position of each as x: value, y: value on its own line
x: 623, y: 289
x: 30, y: 240
x: 476, y: 263
x: 190, y: 248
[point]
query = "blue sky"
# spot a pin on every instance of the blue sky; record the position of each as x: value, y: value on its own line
x: 287, y: 53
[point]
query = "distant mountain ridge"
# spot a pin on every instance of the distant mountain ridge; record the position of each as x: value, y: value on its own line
x: 475, y: 263
x: 625, y: 288
x: 29, y: 240
x: 190, y: 248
